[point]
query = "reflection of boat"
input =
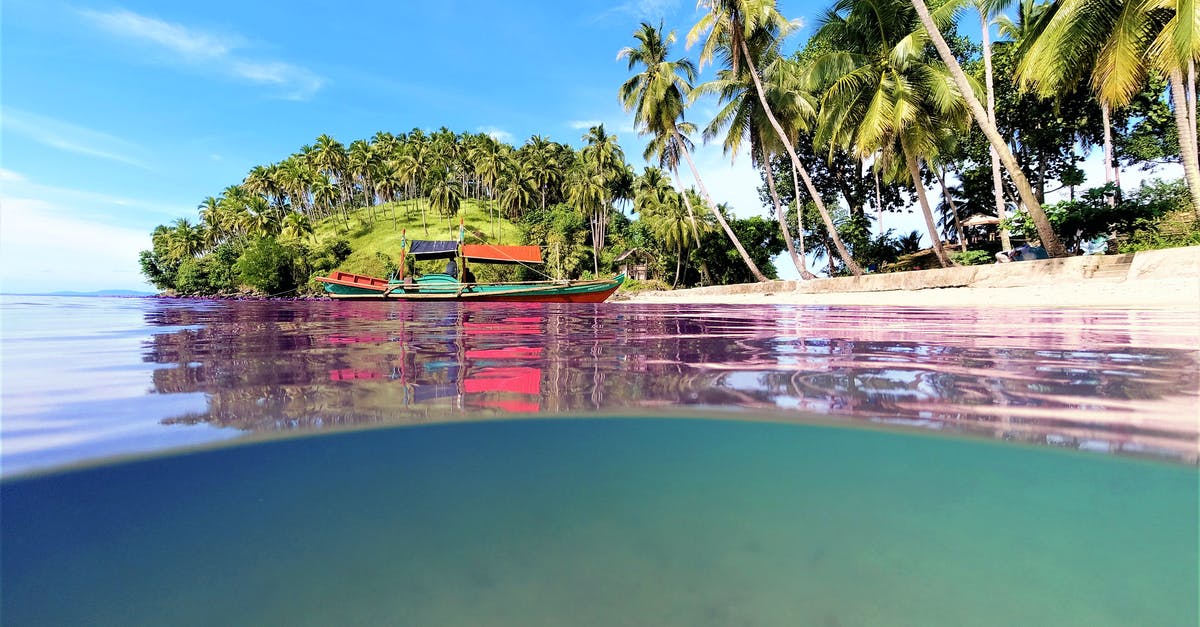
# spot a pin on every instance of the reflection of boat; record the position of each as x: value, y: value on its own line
x: 441, y: 286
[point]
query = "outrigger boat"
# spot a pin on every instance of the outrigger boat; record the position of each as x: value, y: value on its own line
x: 443, y: 286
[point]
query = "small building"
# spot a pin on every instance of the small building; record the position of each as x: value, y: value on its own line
x: 635, y: 263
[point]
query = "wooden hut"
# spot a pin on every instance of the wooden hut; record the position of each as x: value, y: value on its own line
x: 635, y: 263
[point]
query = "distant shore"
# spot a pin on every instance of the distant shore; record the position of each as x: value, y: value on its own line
x: 1160, y: 279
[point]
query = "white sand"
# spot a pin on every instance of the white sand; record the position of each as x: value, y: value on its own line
x: 1181, y: 293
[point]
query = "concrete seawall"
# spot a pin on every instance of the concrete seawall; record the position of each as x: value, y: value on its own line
x: 1180, y: 267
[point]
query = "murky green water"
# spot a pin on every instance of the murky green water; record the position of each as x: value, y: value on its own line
x: 606, y: 522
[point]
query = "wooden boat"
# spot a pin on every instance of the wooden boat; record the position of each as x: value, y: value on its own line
x: 442, y: 287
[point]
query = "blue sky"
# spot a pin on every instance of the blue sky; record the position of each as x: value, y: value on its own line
x: 117, y: 117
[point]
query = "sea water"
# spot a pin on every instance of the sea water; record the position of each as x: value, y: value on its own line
x: 698, y: 465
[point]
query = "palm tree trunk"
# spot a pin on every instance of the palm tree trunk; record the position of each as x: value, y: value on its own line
x: 1050, y: 241
x: 678, y: 265
x: 687, y: 202
x: 914, y: 169
x: 1187, y: 139
x: 949, y: 200
x: 754, y: 271
x: 997, y: 181
x: 1110, y: 165
x: 804, y: 273
x: 791, y: 150
x: 781, y: 217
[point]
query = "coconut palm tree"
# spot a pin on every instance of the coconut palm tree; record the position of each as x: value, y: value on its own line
x: 989, y: 11
x: 329, y: 158
x: 1116, y: 45
x: 603, y: 163
x: 883, y: 95
x: 657, y: 98
x: 296, y: 226
x: 743, y: 120
x: 185, y: 240
x: 1050, y: 241
x: 730, y: 25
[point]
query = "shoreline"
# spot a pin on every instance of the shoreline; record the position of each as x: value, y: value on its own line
x: 1155, y: 279
x: 1179, y: 294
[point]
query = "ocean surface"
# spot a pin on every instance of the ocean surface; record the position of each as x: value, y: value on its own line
x: 218, y: 462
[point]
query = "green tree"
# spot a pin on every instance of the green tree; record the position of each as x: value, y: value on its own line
x: 931, y: 28
x: 730, y: 25
x: 656, y: 97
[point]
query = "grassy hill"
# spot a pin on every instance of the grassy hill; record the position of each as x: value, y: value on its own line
x: 375, y: 234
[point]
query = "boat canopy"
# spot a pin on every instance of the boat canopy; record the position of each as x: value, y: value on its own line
x: 432, y: 249
x: 491, y: 253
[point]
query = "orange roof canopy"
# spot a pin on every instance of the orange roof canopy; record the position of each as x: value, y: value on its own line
x: 491, y: 253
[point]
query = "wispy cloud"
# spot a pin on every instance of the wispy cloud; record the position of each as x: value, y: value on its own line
x: 496, y: 133
x: 640, y: 9
x: 202, y: 50
x: 70, y: 137
x: 8, y: 176
x: 84, y: 202
x: 583, y: 124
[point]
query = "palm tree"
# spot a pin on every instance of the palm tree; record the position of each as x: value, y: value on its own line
x: 329, y: 158
x: 884, y: 95
x: 657, y: 96
x: 1050, y: 241
x: 744, y: 119
x: 988, y: 9
x: 296, y: 226
x: 185, y: 240
x: 667, y: 214
x: 602, y: 163
x: 1117, y: 45
x: 730, y: 24
x: 488, y: 158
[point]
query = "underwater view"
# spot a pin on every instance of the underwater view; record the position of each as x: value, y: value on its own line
x: 312, y: 462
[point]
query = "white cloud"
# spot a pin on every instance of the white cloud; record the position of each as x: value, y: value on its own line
x: 204, y: 50
x: 82, y: 202
x: 79, y: 255
x: 641, y: 9
x: 496, y: 133
x: 70, y: 137
x: 186, y: 42
x: 8, y: 176
x: 583, y: 124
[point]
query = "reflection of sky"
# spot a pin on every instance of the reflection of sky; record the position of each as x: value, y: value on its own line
x: 146, y: 374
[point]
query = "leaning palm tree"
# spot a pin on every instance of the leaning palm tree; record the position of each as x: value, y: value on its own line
x: 988, y: 11
x: 743, y: 120
x: 730, y: 25
x: 657, y: 98
x: 882, y: 94
x: 1050, y: 241
x: 1116, y: 45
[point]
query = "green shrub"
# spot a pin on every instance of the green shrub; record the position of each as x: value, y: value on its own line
x: 268, y: 267
x: 634, y: 285
x: 972, y: 258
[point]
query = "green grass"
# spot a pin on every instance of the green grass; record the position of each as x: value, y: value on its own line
x: 373, y: 230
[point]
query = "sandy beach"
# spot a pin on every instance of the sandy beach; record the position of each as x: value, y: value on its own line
x: 1160, y: 279
x: 1176, y: 294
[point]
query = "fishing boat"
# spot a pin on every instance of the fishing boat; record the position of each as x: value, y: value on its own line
x: 444, y: 286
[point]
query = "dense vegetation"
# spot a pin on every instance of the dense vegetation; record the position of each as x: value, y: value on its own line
x: 882, y: 103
